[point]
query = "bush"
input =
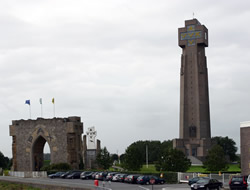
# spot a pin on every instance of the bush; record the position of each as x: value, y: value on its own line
x: 171, y: 177
x: 6, y: 172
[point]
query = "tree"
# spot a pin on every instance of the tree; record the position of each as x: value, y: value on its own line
x: 167, y: 145
x: 122, y: 158
x: 216, y: 159
x: 228, y: 145
x: 135, y: 154
x: 103, y: 159
x: 4, y: 161
x: 173, y: 160
x: 114, y: 157
x: 133, y: 159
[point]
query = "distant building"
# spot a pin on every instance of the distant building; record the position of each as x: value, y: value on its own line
x: 245, y: 147
x: 195, y: 136
x: 90, y: 149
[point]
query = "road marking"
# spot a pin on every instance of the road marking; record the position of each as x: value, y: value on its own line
x: 143, y: 188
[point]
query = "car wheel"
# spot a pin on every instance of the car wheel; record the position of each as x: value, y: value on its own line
x: 162, y: 182
x: 218, y: 188
x: 207, y: 188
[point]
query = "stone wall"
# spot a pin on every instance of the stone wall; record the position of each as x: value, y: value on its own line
x: 63, y: 136
x: 245, y: 147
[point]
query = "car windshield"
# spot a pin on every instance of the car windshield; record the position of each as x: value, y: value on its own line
x: 237, y: 178
x: 203, y: 180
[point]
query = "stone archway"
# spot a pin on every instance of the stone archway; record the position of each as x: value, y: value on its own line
x: 63, y: 136
x: 37, y: 153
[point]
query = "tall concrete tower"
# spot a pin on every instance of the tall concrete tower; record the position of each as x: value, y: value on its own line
x: 195, y: 135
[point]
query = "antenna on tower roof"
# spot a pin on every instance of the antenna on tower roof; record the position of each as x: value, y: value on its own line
x: 193, y: 15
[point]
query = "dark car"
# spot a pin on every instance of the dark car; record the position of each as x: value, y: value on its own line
x: 86, y: 175
x: 150, y: 180
x: 74, y: 175
x: 122, y: 177
x: 238, y: 182
x: 65, y: 174
x: 207, y: 183
x: 195, y: 179
x: 56, y: 175
x: 131, y: 178
x: 158, y: 180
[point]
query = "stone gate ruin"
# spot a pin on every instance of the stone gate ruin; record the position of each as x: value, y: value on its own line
x: 63, y: 136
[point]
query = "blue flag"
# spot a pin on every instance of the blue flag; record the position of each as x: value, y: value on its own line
x: 27, y: 102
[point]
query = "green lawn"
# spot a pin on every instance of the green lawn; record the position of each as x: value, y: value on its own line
x: 196, y: 169
x: 234, y: 168
x: 8, y: 186
x: 150, y: 169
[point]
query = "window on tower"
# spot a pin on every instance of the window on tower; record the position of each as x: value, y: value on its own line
x: 192, y: 131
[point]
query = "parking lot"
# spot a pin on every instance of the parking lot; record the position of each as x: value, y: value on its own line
x: 90, y: 184
x: 122, y: 186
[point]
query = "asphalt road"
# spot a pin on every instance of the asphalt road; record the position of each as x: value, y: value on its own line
x: 102, y: 185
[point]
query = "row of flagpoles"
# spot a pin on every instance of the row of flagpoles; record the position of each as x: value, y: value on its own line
x: 41, y: 103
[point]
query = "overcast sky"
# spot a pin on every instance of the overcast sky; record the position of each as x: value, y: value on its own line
x: 115, y: 63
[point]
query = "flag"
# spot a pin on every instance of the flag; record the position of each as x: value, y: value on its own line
x: 41, y: 101
x: 53, y: 100
x: 27, y: 102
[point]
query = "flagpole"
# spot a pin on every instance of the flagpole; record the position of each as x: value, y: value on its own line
x: 54, y: 110
x: 41, y: 110
x: 54, y: 107
x: 41, y: 102
x: 28, y: 102
x: 30, y: 111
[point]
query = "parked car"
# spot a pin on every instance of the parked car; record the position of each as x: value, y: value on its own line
x: 150, y: 179
x: 101, y: 175
x: 56, y: 175
x: 74, y: 175
x: 116, y: 177
x: 195, y: 179
x: 207, y: 183
x: 86, y: 175
x: 248, y: 182
x: 158, y: 180
x: 238, y: 182
x: 94, y: 174
x: 122, y: 177
x: 131, y: 178
x: 66, y: 174
x: 110, y: 176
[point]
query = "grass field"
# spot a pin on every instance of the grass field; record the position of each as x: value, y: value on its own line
x: 196, y: 169
x: 150, y: 169
x: 8, y: 186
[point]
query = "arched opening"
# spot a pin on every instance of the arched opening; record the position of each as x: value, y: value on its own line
x: 46, y: 155
x: 38, y: 153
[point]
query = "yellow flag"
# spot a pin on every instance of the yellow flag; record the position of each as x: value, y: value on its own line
x: 53, y: 100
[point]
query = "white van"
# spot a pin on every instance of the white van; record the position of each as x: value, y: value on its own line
x: 248, y: 182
